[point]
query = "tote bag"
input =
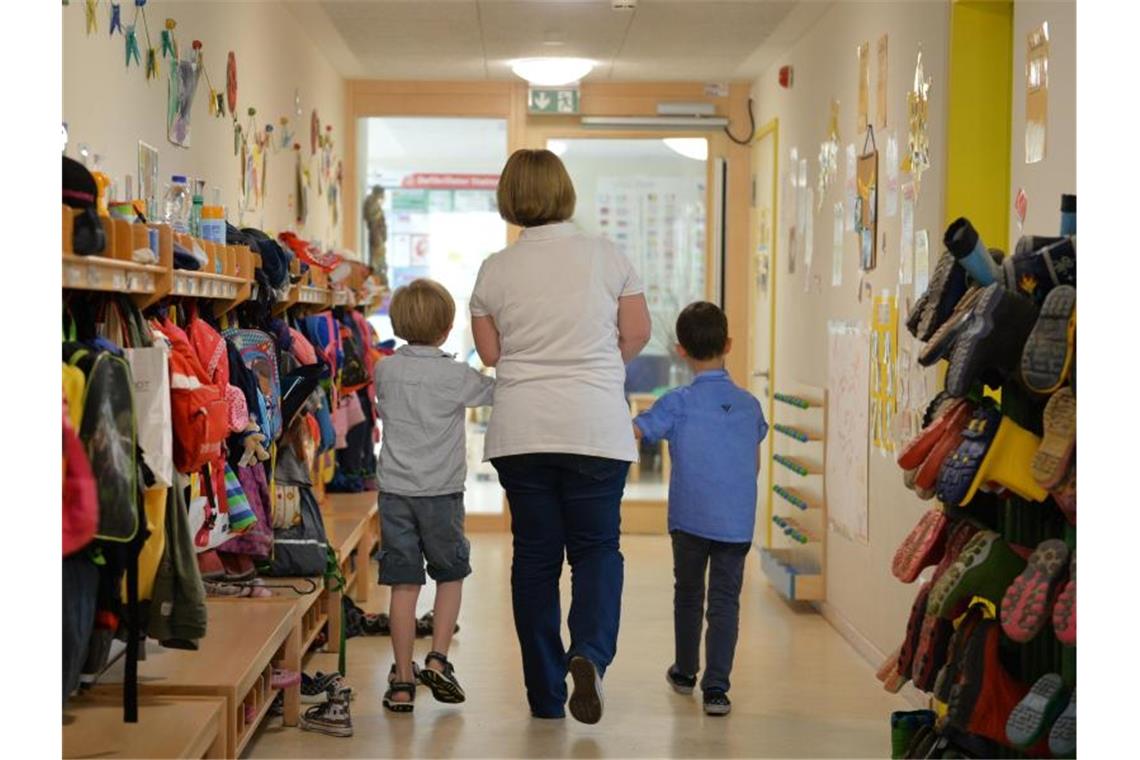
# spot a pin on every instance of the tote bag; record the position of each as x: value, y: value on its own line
x: 151, y: 375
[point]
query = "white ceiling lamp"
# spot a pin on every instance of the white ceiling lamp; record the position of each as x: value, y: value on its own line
x: 557, y: 147
x: 696, y: 148
x: 552, y: 72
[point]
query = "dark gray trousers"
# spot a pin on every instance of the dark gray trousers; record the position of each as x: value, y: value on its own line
x: 724, y: 562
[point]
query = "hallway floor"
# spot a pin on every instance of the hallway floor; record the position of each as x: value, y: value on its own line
x: 799, y: 689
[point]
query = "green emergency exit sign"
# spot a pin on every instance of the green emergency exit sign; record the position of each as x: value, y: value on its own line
x: 553, y: 100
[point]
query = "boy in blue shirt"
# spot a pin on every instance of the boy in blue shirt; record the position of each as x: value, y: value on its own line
x: 714, y: 430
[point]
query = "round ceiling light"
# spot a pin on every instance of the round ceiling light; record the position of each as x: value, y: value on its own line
x: 552, y: 72
x: 696, y: 148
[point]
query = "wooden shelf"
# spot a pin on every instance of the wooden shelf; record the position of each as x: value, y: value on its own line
x: 110, y: 275
x: 795, y: 582
x: 226, y: 279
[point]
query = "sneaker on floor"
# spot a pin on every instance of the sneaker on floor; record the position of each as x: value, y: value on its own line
x: 681, y: 683
x: 716, y: 702
x: 334, y: 684
x: 312, y: 691
x: 985, y: 567
x: 1025, y: 607
x: 587, y: 702
x: 1050, y: 350
x: 1035, y: 713
x: 1051, y: 462
x: 332, y: 718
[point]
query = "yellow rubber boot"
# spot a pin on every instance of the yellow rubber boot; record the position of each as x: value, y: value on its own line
x: 1008, y: 463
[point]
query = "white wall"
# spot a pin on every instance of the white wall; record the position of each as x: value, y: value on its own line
x: 1045, y: 181
x: 110, y: 107
x: 860, y: 587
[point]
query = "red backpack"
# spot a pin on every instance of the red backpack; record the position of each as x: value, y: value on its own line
x: 198, y: 408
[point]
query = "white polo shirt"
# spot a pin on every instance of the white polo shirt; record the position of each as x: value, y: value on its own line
x: 560, y: 379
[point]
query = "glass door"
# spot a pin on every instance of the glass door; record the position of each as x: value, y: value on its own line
x: 429, y: 211
x: 649, y: 196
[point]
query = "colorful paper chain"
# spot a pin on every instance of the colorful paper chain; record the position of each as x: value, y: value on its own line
x: 791, y: 497
x: 791, y: 464
x: 802, y: 403
x: 792, y: 432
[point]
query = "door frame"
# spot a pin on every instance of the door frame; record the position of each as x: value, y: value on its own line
x: 771, y: 129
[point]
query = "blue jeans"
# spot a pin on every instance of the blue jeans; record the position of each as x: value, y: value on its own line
x: 563, y: 503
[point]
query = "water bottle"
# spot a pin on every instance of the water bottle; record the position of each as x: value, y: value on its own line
x: 176, y: 206
x: 1068, y: 214
x: 196, y: 217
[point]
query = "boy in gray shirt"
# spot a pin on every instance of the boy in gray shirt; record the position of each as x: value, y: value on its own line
x: 422, y: 396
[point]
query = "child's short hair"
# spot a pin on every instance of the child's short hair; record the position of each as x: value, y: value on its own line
x: 422, y: 311
x: 702, y: 330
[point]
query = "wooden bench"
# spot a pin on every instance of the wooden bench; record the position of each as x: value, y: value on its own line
x: 349, y: 536
x: 363, y: 504
x: 234, y: 661
x: 168, y: 727
x: 310, y: 613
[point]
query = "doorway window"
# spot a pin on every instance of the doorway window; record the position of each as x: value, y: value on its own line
x: 649, y: 197
x: 435, y: 180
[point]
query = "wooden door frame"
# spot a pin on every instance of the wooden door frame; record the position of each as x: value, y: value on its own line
x: 769, y: 129
x: 508, y: 100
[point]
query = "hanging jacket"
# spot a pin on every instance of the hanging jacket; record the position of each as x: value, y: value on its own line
x: 178, y: 605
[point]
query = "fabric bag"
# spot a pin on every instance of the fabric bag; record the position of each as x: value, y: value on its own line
x: 150, y: 371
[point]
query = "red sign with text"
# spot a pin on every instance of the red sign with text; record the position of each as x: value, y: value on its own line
x: 445, y: 181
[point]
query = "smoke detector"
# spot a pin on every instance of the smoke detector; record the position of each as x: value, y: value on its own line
x: 624, y: 5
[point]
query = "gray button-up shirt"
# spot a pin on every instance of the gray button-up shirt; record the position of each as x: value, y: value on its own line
x: 422, y: 395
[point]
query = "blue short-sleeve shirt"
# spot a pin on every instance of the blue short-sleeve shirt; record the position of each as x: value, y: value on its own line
x: 714, y: 430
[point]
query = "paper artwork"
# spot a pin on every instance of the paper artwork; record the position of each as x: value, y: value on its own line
x: 891, y: 197
x: 848, y: 378
x: 921, y: 261
x: 837, y: 245
x: 863, y: 55
x: 884, y: 370
x: 181, y: 86
x: 828, y: 157
x: 906, y: 241
x: 881, y: 84
x: 866, y: 217
x: 917, y: 158
x: 1036, y: 94
x: 849, y: 224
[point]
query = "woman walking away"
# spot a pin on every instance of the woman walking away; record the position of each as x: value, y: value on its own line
x: 559, y: 313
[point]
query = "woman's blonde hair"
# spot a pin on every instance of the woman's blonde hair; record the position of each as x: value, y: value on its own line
x: 534, y: 189
x: 422, y: 311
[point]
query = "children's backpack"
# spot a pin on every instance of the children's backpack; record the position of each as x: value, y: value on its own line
x: 198, y: 409
x: 354, y: 375
x: 301, y: 548
x: 259, y: 354
x: 321, y: 330
x: 80, y: 499
x: 108, y: 435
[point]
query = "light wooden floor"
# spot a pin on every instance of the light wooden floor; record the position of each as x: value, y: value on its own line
x: 799, y: 690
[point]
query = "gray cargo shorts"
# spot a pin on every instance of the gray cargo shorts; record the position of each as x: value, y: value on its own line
x: 415, y: 528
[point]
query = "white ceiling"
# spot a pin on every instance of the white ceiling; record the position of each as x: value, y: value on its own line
x: 677, y: 40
